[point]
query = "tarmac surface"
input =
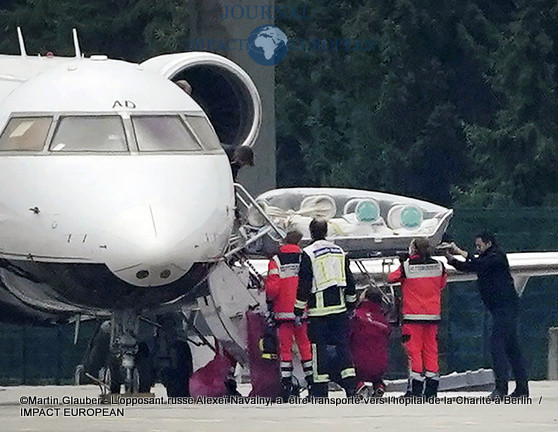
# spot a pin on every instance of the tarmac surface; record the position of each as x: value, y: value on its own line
x: 48, y: 409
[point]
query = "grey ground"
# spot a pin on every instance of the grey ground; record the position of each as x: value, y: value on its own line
x: 540, y: 415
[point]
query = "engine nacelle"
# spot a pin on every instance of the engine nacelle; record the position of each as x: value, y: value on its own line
x: 223, y: 90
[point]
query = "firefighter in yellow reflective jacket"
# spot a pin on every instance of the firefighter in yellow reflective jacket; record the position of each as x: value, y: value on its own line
x: 326, y: 285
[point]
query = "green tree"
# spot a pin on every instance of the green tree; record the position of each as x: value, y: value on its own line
x: 392, y: 119
x: 518, y: 153
x: 316, y: 94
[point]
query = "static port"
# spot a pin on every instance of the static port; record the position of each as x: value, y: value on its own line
x: 165, y: 274
x: 142, y: 274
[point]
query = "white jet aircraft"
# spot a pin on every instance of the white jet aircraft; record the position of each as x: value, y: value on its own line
x: 117, y: 201
x: 117, y: 195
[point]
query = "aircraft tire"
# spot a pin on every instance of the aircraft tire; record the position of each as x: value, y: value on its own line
x: 111, y: 378
x: 115, y: 375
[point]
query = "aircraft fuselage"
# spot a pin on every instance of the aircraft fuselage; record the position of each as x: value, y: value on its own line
x: 115, y: 189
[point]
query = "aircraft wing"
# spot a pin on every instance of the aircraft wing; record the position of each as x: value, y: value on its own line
x: 522, y: 266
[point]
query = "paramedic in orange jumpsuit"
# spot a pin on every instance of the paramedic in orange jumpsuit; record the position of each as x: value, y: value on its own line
x: 281, y: 286
x: 422, y: 281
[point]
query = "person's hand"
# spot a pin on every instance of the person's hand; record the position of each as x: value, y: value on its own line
x: 403, y: 256
x: 457, y: 251
x: 298, y: 321
x: 448, y: 254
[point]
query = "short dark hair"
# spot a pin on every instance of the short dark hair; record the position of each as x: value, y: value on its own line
x: 318, y: 229
x: 487, y: 236
x: 423, y: 247
x: 293, y: 237
x: 244, y: 155
x: 374, y: 295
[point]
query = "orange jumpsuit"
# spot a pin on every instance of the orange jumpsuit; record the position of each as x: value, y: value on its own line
x: 422, y: 282
x: 280, y: 287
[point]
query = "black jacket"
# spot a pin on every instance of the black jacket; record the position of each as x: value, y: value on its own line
x: 493, y: 277
x: 235, y: 166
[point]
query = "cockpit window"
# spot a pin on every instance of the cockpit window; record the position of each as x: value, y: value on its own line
x: 163, y: 133
x: 89, y: 133
x: 204, y: 131
x: 25, y: 134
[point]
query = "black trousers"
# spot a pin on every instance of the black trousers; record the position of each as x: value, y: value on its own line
x: 505, y: 347
x: 331, y: 355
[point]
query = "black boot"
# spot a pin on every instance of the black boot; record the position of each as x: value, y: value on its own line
x: 431, y: 387
x: 319, y: 390
x: 230, y: 385
x: 500, y: 391
x: 286, y: 388
x: 296, y: 388
x: 521, y: 389
x: 417, y: 388
x: 349, y: 385
x: 309, y: 383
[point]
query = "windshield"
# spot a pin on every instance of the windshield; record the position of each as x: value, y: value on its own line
x: 107, y: 133
x: 163, y: 133
x: 25, y: 134
x: 89, y: 133
x: 204, y: 131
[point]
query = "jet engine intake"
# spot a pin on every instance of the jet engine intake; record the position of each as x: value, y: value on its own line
x: 221, y: 88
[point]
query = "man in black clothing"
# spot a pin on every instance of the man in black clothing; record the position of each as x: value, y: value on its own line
x: 239, y: 157
x: 498, y: 293
x: 327, y: 287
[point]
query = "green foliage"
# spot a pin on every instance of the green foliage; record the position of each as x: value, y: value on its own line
x: 520, y: 147
x: 456, y: 105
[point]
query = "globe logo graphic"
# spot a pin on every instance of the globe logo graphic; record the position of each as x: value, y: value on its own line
x: 267, y: 45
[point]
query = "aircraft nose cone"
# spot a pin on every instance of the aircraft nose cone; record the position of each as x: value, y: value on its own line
x: 142, y: 248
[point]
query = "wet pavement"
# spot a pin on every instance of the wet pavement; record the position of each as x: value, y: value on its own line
x: 69, y: 408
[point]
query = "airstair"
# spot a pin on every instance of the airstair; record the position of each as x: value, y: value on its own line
x: 234, y: 284
x: 245, y: 236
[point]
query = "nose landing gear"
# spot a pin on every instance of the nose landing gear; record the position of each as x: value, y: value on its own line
x: 117, y: 357
x: 124, y: 347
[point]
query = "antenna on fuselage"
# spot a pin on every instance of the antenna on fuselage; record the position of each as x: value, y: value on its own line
x: 21, y: 43
x: 76, y: 43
